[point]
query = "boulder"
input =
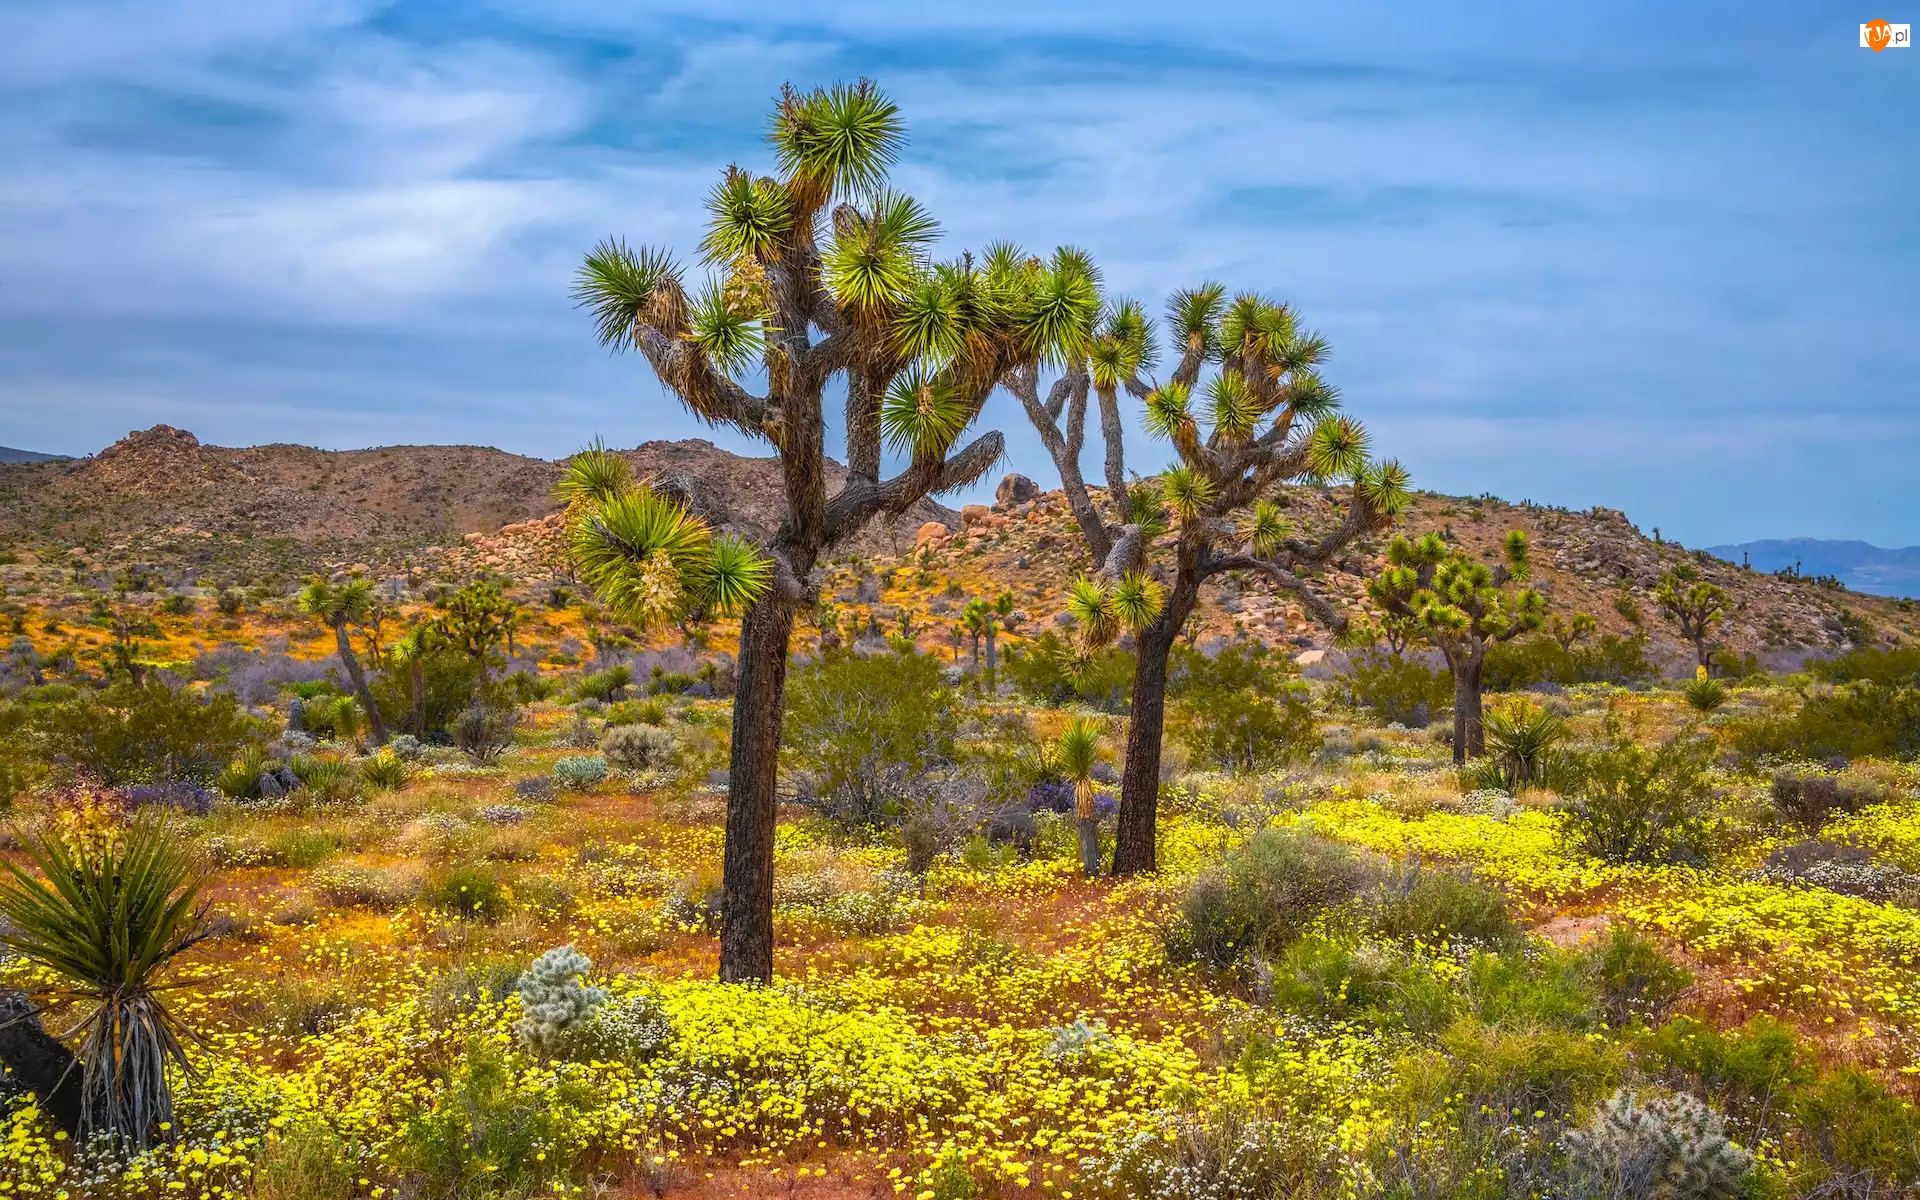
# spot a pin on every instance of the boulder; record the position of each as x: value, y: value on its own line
x: 1014, y: 489
x: 928, y: 532
x: 974, y: 514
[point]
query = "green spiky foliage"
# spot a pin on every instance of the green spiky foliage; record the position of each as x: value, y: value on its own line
x: 1571, y: 631
x: 343, y: 607
x: 1076, y: 753
x: 1463, y: 607
x: 106, y: 917
x: 646, y: 557
x: 815, y: 272
x: 1246, y: 414
x: 1697, y: 605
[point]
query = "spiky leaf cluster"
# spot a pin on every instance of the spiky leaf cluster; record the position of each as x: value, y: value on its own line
x: 647, y: 557
x: 1452, y: 597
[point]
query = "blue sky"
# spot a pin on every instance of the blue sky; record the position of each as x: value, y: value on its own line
x: 1662, y: 256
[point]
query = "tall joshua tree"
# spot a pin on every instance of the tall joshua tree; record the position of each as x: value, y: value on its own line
x: 820, y: 272
x: 340, y: 607
x: 1697, y: 606
x: 1270, y: 420
x: 1461, y: 605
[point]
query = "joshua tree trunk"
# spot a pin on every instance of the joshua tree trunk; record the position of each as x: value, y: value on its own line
x: 1469, y: 730
x: 746, y: 932
x: 351, y: 661
x: 1089, y: 828
x: 1700, y: 651
x: 419, y: 697
x: 1134, y: 844
x: 990, y: 660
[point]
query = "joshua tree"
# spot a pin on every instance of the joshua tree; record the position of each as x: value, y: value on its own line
x: 478, y: 618
x: 342, y: 606
x: 1570, y: 633
x: 1078, y: 747
x: 107, y: 918
x: 1697, y: 606
x: 412, y: 651
x: 1461, y: 606
x: 977, y: 619
x: 822, y: 247
x: 997, y: 614
x: 1271, y: 421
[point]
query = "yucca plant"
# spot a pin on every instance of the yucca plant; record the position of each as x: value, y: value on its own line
x: 240, y: 779
x: 1263, y: 419
x: 108, y: 917
x: 1703, y: 692
x: 1078, y: 748
x: 816, y: 272
x: 1520, y: 737
x: 384, y: 770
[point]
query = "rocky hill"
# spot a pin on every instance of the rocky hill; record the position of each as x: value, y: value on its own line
x: 161, y: 495
x: 212, y: 514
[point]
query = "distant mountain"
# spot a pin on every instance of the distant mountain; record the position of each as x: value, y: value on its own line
x: 9, y: 455
x: 1862, y: 567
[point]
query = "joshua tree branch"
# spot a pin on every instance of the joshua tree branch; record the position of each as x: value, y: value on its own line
x: 710, y: 394
x: 1323, y: 612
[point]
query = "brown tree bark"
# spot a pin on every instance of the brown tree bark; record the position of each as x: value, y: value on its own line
x: 746, y: 930
x: 351, y: 661
x: 1135, y: 844
x: 1469, y: 726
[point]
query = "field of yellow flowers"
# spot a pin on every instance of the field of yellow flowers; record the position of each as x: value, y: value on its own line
x: 997, y: 1026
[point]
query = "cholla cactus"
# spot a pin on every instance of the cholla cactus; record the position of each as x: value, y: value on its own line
x: 1078, y: 1039
x: 1664, y: 1148
x: 555, y: 1000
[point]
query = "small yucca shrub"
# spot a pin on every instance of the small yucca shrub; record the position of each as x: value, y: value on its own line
x: 385, y: 770
x: 107, y: 915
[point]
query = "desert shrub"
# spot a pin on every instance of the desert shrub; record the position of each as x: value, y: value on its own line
x: 487, y: 1135
x: 308, y: 1163
x: 555, y: 1000
x: 449, y: 683
x: 1705, y: 694
x: 1895, y: 667
x: 302, y: 846
x: 241, y: 778
x: 466, y: 891
x: 1639, y: 805
x: 1395, y: 688
x: 580, y: 771
x: 1239, y: 710
x: 232, y: 602
x: 639, y: 747
x: 1634, y: 979
x: 605, y: 686
x: 1520, y: 1069
x: 868, y: 730
x: 330, y: 717
x: 1810, y: 797
x: 1854, y: 720
x: 485, y: 730
x: 1521, y: 737
x: 325, y: 780
x: 151, y: 733
x: 464, y: 988
x: 1547, y: 989
x: 1865, y: 1137
x: 1753, y: 1071
x: 637, y: 712
x: 178, y: 605
x: 408, y: 747
x: 385, y: 770
x: 1529, y: 662
x: 1226, y: 1155
x: 1368, y: 982
x: 1048, y: 671
x: 1424, y: 904
x: 1263, y: 898
x: 1656, y: 1148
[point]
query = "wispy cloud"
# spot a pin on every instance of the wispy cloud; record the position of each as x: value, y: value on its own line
x: 1652, y: 258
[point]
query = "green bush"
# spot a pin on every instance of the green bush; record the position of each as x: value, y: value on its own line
x: 1855, y: 720
x: 639, y: 747
x: 1398, y: 690
x: 1752, y: 1071
x: 1809, y: 798
x: 487, y: 1137
x: 1239, y: 710
x: 467, y: 892
x: 448, y: 682
x: 1548, y: 989
x: 1640, y: 805
x: 485, y: 730
x: 579, y: 771
x: 1263, y: 898
x: 868, y: 730
x: 1525, y: 662
x: 606, y: 686
x: 1860, y: 1133
x: 1898, y: 667
x: 147, y: 734
x: 1048, y: 671
x: 1635, y: 980
x: 1327, y: 978
x: 1424, y: 904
